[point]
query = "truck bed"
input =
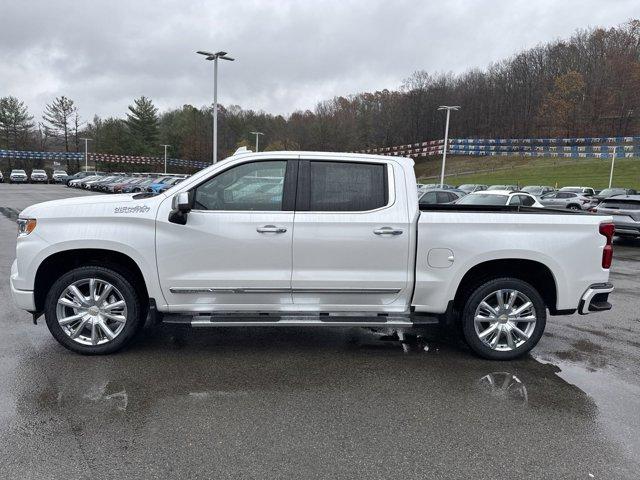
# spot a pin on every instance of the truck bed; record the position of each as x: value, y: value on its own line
x: 453, y: 207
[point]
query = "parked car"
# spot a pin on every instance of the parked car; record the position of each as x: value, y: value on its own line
x: 138, y: 187
x: 18, y: 176
x: 500, y: 197
x: 503, y: 187
x: 438, y: 195
x: 116, y: 187
x: 87, y: 184
x: 59, y: 176
x: 472, y: 187
x: 350, y: 247
x: 39, y: 176
x: 77, y: 177
x: 163, y: 184
x: 101, y: 185
x: 429, y: 186
x: 538, y: 190
x: 588, y: 191
x: 610, y: 192
x: 1, y: 177
x: 168, y: 185
x: 565, y: 199
x: 79, y: 182
x: 625, y: 210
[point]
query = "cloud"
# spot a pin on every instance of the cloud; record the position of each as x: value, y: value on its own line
x: 290, y: 54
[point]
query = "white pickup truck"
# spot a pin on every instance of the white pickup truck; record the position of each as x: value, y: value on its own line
x: 300, y: 238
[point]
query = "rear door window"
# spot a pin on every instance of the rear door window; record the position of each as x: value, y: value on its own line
x: 526, y: 200
x: 347, y: 186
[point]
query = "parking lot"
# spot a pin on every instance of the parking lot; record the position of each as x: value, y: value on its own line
x: 317, y: 403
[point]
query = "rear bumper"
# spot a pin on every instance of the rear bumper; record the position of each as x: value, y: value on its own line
x: 24, y: 299
x: 595, y: 298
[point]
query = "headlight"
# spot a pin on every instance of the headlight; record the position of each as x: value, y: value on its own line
x: 26, y: 226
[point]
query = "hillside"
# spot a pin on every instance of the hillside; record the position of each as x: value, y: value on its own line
x: 532, y: 171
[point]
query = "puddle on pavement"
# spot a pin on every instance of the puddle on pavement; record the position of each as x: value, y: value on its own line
x: 617, y: 401
x: 226, y: 372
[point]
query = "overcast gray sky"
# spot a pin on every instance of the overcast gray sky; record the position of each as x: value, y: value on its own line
x: 290, y: 54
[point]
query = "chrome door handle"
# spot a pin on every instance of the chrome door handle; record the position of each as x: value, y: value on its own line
x: 271, y: 229
x: 387, y: 231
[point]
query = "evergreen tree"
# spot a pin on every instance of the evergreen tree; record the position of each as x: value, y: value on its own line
x: 142, y: 121
x: 59, y: 117
x: 15, y: 123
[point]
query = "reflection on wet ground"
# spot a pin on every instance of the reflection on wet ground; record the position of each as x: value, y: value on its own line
x: 292, y: 400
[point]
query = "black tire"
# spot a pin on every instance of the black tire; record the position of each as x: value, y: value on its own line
x: 135, y: 312
x: 479, y: 293
x: 573, y: 206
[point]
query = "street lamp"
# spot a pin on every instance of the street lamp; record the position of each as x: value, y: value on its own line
x: 86, y: 156
x: 165, y: 156
x: 613, y: 162
x: 446, y: 138
x: 214, y: 57
x: 257, y: 134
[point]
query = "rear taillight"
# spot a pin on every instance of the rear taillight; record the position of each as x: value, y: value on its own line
x: 607, y: 229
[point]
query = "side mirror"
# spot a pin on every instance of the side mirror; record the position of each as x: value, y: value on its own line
x: 181, y: 206
x: 181, y: 202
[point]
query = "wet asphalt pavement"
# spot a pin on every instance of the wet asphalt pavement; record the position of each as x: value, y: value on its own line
x: 319, y: 403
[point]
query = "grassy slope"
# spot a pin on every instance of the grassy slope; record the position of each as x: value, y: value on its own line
x: 534, y: 171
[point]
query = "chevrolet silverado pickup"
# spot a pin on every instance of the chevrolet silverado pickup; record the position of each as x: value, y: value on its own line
x: 306, y: 239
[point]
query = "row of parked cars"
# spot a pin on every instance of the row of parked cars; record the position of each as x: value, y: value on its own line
x: 37, y: 175
x: 123, y: 182
x: 622, y: 203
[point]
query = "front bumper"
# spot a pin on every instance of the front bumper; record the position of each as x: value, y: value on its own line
x: 40, y: 179
x: 595, y: 298
x: 18, y: 179
x: 24, y: 299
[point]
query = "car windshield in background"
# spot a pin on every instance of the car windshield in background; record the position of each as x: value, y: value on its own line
x: 483, y: 199
x: 571, y: 189
x: 533, y: 190
x: 609, y: 192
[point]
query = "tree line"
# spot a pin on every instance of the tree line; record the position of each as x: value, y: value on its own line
x: 586, y: 85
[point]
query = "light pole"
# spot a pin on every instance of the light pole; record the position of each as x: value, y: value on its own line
x: 165, y: 156
x: 214, y: 57
x: 613, y: 162
x: 86, y: 156
x: 257, y: 134
x: 446, y: 138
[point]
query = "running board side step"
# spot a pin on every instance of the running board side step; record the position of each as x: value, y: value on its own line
x: 338, y: 319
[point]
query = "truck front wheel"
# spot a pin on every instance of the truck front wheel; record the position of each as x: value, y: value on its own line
x: 93, y: 310
x: 503, y: 319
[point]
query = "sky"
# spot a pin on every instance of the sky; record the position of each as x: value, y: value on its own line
x: 289, y: 54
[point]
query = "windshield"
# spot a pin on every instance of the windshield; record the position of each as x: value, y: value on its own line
x: 59, y: 172
x: 38, y: 171
x: 18, y: 171
x: 483, y: 199
x: 501, y: 187
x: 571, y: 189
x: 534, y: 190
x: 608, y: 192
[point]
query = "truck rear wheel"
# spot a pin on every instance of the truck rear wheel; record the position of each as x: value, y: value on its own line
x: 503, y: 319
x: 93, y: 310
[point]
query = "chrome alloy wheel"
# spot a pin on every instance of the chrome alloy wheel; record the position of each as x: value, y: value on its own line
x: 91, y: 311
x: 505, y: 320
